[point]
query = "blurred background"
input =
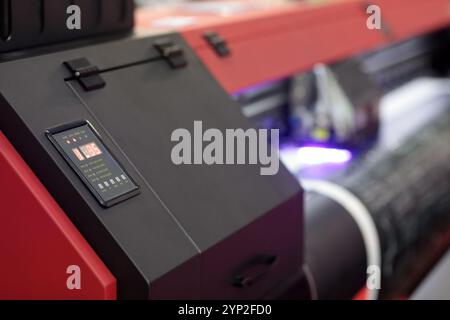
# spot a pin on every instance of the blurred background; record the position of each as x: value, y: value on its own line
x: 368, y: 114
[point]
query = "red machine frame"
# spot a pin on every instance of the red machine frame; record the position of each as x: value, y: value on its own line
x: 277, y: 42
x: 38, y: 243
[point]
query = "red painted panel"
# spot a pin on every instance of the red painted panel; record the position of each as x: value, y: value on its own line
x: 277, y: 43
x: 38, y: 242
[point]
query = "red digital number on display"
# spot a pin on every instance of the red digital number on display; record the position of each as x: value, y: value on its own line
x: 90, y: 150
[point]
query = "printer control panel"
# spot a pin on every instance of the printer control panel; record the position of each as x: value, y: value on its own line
x: 102, y: 174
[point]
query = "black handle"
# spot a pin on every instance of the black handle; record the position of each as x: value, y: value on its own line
x: 254, y: 270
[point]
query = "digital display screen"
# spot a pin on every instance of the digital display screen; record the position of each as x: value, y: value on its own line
x: 94, y: 164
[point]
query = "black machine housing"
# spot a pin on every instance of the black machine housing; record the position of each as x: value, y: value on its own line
x: 192, y: 231
x: 26, y: 24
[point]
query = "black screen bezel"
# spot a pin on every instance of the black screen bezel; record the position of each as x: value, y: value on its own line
x: 73, y: 125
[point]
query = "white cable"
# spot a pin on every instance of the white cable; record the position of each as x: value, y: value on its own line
x: 359, y: 213
x: 311, y: 282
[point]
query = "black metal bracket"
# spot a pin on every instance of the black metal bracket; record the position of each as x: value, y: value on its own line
x: 218, y: 43
x: 171, y: 52
x: 88, y: 75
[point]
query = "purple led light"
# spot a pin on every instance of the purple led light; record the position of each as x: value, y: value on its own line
x: 256, y: 87
x: 297, y: 157
x: 321, y: 155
